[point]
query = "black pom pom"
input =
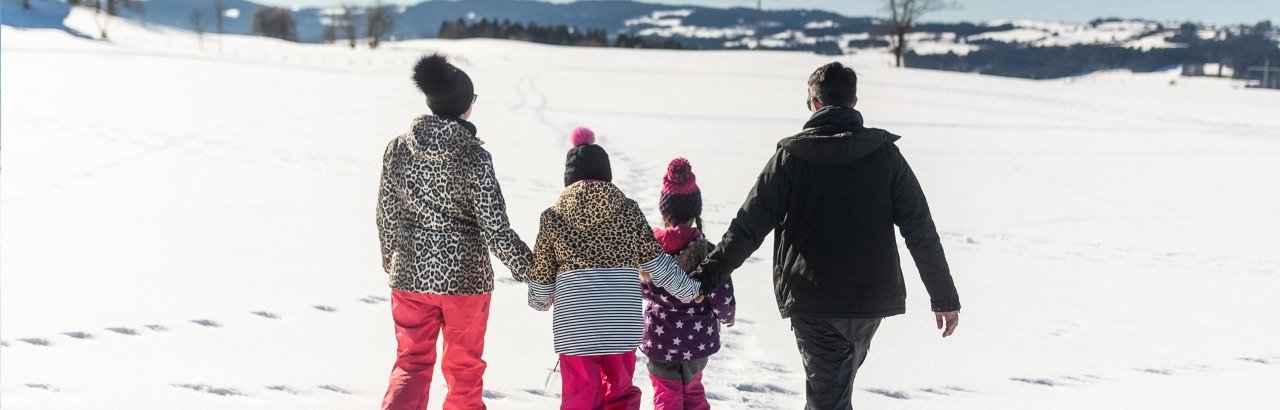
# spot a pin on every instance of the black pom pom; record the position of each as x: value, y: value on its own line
x: 433, y: 74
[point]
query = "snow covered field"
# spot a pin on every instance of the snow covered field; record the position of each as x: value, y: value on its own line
x: 181, y: 228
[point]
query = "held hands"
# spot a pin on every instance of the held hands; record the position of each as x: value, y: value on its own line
x: 949, y: 320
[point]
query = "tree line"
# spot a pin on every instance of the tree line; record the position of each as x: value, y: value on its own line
x: 558, y: 34
x: 347, y: 23
x: 1248, y: 46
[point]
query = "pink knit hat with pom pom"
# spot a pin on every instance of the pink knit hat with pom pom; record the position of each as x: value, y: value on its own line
x: 681, y: 200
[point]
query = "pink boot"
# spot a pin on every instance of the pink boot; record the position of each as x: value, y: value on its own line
x: 667, y: 394
x: 695, y: 397
x: 672, y: 395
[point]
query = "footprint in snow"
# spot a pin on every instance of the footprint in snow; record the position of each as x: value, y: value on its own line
x: 900, y: 395
x: 79, y: 335
x: 324, y: 308
x: 156, y: 328
x: 720, y: 397
x: 35, y: 341
x: 266, y: 314
x: 1164, y: 372
x: 940, y: 392
x: 123, y: 331
x: 773, y: 367
x: 542, y: 393
x: 282, y: 388
x: 493, y: 395
x: 204, y: 388
x: 762, y: 388
x: 42, y: 386
x: 1258, y: 360
x: 334, y: 389
x: 206, y: 323
x: 1038, y: 382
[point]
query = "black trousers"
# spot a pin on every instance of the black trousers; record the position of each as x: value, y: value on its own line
x: 832, y: 350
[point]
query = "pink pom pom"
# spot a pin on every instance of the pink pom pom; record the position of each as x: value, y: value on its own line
x: 679, y: 179
x: 582, y: 136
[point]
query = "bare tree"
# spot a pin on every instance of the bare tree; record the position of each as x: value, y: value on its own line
x: 903, y: 16
x: 378, y: 22
x: 274, y: 22
x: 330, y: 32
x: 349, y: 23
x: 197, y: 23
x: 104, y: 10
x: 219, y: 12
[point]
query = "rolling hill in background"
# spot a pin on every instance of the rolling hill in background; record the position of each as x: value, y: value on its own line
x: 1016, y: 48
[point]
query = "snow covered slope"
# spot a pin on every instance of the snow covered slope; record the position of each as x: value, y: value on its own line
x: 181, y: 228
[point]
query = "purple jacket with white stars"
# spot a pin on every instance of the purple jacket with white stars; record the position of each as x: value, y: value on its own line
x: 680, y: 332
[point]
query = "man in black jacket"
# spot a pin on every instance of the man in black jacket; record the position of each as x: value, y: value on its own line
x: 833, y: 193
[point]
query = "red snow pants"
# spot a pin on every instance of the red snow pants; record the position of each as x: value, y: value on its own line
x: 420, y: 318
x: 599, y: 382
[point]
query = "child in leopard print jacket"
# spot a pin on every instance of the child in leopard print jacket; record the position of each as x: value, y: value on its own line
x: 591, y: 245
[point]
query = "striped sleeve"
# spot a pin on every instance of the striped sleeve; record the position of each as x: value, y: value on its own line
x: 541, y: 297
x: 542, y: 274
x: 668, y: 276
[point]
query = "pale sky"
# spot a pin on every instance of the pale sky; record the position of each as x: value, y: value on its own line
x: 1216, y: 11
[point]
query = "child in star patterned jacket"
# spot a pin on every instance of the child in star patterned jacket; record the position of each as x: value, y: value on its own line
x: 680, y: 337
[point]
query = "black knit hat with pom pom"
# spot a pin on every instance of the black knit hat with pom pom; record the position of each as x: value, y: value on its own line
x: 449, y: 90
x: 586, y: 160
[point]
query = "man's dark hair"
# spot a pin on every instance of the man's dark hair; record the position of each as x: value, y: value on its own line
x: 834, y: 84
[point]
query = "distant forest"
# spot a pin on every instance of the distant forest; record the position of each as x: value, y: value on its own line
x: 559, y: 34
x: 1250, y: 47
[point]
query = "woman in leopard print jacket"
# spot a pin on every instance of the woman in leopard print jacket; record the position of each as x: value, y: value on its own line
x: 592, y: 244
x: 440, y: 213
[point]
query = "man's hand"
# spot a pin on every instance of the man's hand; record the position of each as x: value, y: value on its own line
x: 948, y: 320
x: 698, y: 298
x: 708, y: 284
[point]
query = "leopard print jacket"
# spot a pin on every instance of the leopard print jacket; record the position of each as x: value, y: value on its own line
x: 591, y: 225
x: 440, y: 212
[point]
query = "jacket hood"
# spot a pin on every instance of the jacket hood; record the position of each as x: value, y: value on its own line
x: 676, y: 238
x: 835, y: 135
x: 589, y: 204
x: 437, y: 136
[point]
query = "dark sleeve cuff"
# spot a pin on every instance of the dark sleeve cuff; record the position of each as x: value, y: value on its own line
x: 946, y: 307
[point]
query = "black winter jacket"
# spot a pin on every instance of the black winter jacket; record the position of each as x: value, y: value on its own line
x: 833, y: 193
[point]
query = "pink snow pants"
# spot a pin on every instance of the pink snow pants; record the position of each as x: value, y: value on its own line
x: 671, y: 394
x: 599, y: 382
x: 419, y: 319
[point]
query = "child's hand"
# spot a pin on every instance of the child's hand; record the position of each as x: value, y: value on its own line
x: 728, y: 323
x: 698, y: 299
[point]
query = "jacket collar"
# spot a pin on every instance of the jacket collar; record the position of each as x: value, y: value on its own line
x: 832, y: 120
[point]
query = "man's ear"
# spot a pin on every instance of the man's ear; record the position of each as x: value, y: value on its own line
x: 814, y: 104
x: 854, y: 103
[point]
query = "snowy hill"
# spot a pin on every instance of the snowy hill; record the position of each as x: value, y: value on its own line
x: 183, y: 228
